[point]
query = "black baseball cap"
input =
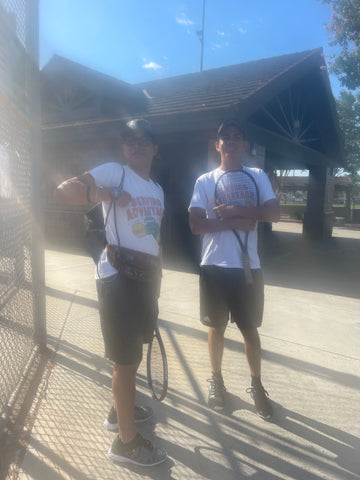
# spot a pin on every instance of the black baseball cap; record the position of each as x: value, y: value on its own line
x: 229, y: 123
x: 140, y: 125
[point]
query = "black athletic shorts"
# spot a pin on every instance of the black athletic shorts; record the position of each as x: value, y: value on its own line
x: 224, y: 291
x: 128, y: 313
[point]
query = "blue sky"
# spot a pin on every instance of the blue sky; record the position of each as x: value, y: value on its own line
x: 141, y: 40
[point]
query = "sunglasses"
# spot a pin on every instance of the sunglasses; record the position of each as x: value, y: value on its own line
x: 141, y: 141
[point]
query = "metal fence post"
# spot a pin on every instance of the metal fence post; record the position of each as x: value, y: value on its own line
x: 38, y: 260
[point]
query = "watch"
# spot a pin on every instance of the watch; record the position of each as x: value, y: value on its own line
x: 116, y: 192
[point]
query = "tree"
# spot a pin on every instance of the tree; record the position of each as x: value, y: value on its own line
x: 344, y: 27
x: 348, y: 107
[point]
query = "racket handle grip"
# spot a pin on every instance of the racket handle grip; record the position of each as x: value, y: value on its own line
x: 247, y: 269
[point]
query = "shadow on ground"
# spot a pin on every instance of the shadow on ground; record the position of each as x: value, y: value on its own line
x: 329, y: 266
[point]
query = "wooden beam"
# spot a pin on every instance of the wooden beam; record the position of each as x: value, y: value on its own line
x: 285, y: 151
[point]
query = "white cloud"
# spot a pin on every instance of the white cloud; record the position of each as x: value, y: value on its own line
x: 182, y: 19
x: 241, y: 27
x: 152, y: 66
x: 221, y: 34
x: 215, y: 46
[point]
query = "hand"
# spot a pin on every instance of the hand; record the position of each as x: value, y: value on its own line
x: 103, y: 194
x: 124, y: 199
x: 243, y: 224
x: 224, y: 211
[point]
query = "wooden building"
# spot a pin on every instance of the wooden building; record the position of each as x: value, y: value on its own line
x: 285, y: 102
x: 292, y: 186
x: 342, y: 185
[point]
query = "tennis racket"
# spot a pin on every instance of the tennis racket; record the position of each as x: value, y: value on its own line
x: 237, y: 187
x: 156, y: 366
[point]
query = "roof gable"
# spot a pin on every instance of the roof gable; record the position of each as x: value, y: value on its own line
x: 219, y: 87
x: 71, y: 91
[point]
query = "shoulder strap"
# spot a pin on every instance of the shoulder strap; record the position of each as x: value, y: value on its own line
x: 112, y: 203
x: 114, y: 206
x: 122, y: 178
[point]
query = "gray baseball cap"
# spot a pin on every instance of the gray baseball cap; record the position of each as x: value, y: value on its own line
x: 140, y: 125
x: 230, y: 123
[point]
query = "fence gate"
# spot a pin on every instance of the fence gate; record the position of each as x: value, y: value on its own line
x: 22, y: 318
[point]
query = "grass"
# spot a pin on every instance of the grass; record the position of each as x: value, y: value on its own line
x: 337, y: 205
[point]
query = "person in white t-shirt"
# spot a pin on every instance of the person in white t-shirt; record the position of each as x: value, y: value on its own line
x: 128, y: 308
x: 223, y: 288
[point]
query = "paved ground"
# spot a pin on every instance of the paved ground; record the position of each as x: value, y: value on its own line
x: 311, y: 363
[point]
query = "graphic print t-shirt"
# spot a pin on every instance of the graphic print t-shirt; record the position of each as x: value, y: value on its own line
x: 138, y: 224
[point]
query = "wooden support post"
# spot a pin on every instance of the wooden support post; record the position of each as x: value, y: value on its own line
x: 319, y: 216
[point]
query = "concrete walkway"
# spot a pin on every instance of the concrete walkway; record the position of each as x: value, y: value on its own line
x: 311, y: 364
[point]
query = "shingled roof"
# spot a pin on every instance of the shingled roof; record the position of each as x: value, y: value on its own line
x: 60, y: 68
x: 200, y: 101
x: 219, y: 87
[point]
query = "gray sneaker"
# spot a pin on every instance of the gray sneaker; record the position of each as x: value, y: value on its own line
x: 262, y: 403
x: 216, y: 398
x: 141, y: 414
x: 139, y: 452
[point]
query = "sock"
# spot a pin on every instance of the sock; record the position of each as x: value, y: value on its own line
x: 255, y: 381
x: 132, y: 442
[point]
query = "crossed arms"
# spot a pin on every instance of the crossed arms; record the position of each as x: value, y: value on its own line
x: 229, y: 217
x: 79, y: 190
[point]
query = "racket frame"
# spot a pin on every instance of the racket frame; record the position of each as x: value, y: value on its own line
x: 243, y: 246
x: 154, y: 391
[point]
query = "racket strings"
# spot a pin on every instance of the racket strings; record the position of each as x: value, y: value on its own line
x: 235, y: 189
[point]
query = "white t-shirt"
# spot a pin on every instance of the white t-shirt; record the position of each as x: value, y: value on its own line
x: 138, y: 224
x: 222, y: 248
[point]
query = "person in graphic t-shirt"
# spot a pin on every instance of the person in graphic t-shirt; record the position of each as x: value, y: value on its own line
x: 128, y: 308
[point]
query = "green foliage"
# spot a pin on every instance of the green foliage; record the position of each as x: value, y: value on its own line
x: 344, y: 27
x: 348, y: 107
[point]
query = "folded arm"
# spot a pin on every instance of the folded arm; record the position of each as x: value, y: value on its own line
x: 82, y: 190
x: 268, y: 212
x: 199, y: 223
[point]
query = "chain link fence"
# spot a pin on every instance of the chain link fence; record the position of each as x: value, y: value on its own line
x: 22, y: 322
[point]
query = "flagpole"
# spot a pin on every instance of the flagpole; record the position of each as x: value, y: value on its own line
x: 202, y: 37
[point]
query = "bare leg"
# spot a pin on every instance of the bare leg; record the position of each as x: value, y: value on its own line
x: 258, y: 394
x: 216, y: 347
x: 124, y: 387
x: 253, y: 351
